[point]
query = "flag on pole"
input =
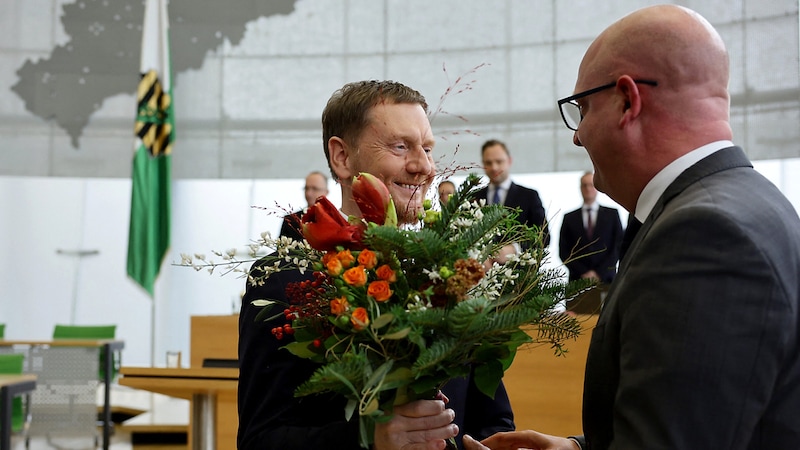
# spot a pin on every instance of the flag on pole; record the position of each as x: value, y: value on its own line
x: 148, y: 240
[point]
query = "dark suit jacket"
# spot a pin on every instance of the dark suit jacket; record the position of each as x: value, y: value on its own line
x: 598, y: 252
x: 697, y: 344
x: 527, y: 201
x: 270, y: 417
x: 291, y: 225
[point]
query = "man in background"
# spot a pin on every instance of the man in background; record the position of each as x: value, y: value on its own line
x: 446, y: 189
x: 316, y: 186
x: 590, y: 237
x: 497, y: 162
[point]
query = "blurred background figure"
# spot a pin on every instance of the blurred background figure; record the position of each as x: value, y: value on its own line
x: 446, y: 189
x: 497, y: 162
x: 590, y: 237
x: 316, y: 186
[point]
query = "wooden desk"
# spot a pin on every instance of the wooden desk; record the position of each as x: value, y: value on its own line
x: 10, y: 387
x: 106, y: 346
x: 546, y: 391
x: 214, y: 337
x: 212, y: 392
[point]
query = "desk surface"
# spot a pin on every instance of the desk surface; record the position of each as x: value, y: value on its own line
x: 8, y: 380
x: 178, y: 382
x: 116, y: 344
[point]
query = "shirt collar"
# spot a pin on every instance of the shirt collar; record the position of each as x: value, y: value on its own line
x: 505, y: 185
x: 656, y: 186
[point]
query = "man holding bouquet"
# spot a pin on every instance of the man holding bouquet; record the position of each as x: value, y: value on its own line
x: 380, y: 128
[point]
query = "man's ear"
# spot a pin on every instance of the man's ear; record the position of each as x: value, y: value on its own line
x: 631, y: 100
x: 340, y: 159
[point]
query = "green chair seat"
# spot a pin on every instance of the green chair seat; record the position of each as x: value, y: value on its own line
x: 11, y: 364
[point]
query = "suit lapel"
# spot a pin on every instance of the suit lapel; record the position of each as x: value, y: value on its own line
x: 724, y: 159
x: 511, y: 196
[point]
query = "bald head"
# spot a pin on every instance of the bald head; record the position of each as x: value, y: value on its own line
x: 665, y: 40
x: 673, y: 45
x: 634, y: 130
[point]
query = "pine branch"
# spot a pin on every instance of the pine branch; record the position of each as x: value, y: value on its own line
x: 328, y: 378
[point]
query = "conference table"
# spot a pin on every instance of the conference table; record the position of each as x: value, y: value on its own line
x: 45, y: 373
x: 10, y: 387
x: 201, y: 385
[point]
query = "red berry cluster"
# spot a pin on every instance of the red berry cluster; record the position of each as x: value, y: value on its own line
x: 279, y: 332
x: 307, y: 291
x: 308, y: 304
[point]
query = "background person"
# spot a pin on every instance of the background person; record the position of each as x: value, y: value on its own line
x: 497, y: 162
x: 697, y: 344
x: 379, y: 127
x: 315, y: 187
x: 590, y: 237
x: 446, y: 189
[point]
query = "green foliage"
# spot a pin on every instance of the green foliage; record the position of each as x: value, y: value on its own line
x: 337, y: 376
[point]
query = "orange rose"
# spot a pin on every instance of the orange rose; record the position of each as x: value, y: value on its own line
x: 355, y: 276
x: 327, y: 257
x: 346, y: 258
x: 379, y: 290
x: 339, y: 306
x: 360, y: 318
x: 334, y: 267
x: 386, y: 273
x: 367, y: 258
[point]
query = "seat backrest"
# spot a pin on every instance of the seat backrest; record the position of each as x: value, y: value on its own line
x: 91, y: 332
x: 84, y: 331
x: 11, y: 364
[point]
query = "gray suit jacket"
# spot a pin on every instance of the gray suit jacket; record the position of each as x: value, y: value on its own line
x: 697, y: 345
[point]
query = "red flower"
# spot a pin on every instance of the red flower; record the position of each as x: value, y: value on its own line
x: 373, y: 199
x: 324, y: 228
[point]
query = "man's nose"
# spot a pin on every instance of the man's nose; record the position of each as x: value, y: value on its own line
x: 576, y: 140
x: 418, y: 161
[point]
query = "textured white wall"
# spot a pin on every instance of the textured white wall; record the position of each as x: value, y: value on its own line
x: 249, y: 106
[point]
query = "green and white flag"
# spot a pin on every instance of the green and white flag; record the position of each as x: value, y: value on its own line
x: 148, y: 240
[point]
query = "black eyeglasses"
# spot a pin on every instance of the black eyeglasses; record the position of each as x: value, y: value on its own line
x: 571, y: 110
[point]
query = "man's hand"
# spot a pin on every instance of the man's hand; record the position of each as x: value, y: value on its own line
x: 502, y: 256
x: 591, y: 274
x: 418, y: 425
x: 518, y: 440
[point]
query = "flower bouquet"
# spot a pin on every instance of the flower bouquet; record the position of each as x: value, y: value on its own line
x: 393, y: 313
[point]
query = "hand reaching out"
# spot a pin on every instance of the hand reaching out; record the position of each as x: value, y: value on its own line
x: 520, y: 440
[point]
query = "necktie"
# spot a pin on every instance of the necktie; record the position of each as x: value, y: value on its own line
x: 630, y: 233
x: 589, y: 223
x: 496, y: 198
